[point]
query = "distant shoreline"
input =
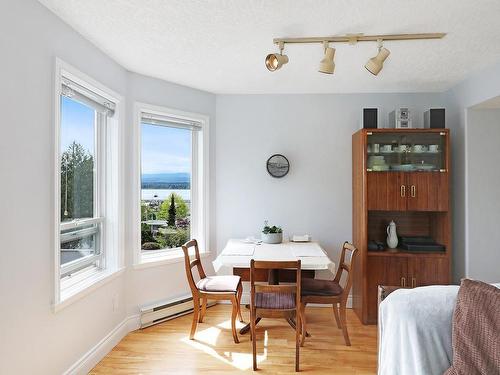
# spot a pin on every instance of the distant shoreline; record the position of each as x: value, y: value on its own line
x: 162, y: 194
x: 166, y: 185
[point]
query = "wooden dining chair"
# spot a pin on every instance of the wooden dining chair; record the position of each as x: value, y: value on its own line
x: 331, y: 291
x: 211, y: 287
x: 275, y: 301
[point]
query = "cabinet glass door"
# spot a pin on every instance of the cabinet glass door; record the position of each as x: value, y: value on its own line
x: 401, y: 151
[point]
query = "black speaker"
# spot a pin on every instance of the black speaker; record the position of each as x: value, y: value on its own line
x: 434, y: 118
x: 370, y: 118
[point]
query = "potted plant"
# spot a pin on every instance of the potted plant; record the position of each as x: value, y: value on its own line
x: 271, y: 234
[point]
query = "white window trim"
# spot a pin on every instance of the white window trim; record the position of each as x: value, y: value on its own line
x: 88, y: 282
x: 91, y: 279
x: 203, y: 199
x: 175, y: 256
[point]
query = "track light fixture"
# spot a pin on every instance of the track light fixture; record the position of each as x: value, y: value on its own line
x: 327, y: 65
x: 374, y: 65
x: 275, y: 61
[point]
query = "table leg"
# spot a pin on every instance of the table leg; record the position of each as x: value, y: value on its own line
x: 246, y: 328
x: 273, y: 277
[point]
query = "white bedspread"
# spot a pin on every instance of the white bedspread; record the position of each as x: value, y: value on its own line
x: 415, y: 328
x: 415, y: 331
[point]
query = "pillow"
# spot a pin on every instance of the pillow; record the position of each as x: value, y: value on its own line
x: 476, y: 330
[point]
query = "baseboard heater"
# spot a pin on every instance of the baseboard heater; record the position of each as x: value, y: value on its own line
x: 165, y: 310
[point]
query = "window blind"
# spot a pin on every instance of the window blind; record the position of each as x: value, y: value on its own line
x: 86, y: 96
x: 171, y: 121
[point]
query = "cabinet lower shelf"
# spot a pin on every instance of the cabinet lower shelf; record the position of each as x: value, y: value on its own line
x: 405, y: 253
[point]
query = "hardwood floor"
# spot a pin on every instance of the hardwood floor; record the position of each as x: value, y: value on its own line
x: 166, y: 348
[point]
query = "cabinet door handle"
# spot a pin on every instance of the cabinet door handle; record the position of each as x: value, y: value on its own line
x: 402, y: 190
x: 413, y: 282
x: 413, y: 191
x: 403, y: 281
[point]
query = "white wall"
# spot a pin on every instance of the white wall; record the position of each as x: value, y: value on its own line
x: 33, y: 338
x: 314, y: 133
x: 479, y: 87
x: 483, y: 205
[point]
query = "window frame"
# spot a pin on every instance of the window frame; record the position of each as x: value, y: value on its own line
x: 200, y: 227
x: 107, y: 189
x: 99, y: 199
x: 99, y: 258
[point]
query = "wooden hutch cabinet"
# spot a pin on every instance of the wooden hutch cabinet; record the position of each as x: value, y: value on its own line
x: 400, y: 175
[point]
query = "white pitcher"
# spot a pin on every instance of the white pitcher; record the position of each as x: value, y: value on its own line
x: 392, y: 236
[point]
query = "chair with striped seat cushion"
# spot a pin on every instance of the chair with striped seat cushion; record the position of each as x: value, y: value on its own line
x: 278, y: 301
x: 275, y: 301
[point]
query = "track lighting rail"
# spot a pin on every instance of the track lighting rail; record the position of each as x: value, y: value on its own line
x: 354, y: 38
x: 374, y: 65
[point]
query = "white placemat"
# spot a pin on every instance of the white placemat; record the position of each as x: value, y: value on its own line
x: 310, y: 249
x: 238, y: 248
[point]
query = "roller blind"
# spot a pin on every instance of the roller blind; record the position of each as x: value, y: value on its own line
x: 88, y: 97
x: 175, y: 122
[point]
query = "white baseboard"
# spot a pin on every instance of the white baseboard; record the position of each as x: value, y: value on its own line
x: 103, y: 347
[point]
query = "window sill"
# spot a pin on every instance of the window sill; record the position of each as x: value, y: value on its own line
x: 88, y: 284
x: 169, y: 257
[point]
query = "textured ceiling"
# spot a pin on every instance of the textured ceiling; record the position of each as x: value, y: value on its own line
x: 493, y: 103
x: 220, y: 45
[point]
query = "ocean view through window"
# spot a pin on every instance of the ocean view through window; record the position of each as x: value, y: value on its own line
x: 166, y: 170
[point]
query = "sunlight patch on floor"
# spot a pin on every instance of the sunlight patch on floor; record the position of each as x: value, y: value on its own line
x: 207, y: 336
x: 227, y: 324
x: 206, y: 341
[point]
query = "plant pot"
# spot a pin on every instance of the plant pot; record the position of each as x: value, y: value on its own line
x: 272, y: 237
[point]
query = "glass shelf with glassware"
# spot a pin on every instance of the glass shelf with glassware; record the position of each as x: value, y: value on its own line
x: 405, y: 151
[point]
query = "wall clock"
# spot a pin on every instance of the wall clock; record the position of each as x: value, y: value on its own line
x: 278, y: 165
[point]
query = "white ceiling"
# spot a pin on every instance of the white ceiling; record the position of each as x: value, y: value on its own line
x: 220, y: 45
x: 493, y: 103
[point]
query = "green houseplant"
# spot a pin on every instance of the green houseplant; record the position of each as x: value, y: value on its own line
x: 271, y: 234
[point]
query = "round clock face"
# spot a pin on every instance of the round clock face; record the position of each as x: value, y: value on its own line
x: 278, y: 166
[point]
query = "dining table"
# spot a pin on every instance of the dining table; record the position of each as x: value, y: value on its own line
x: 236, y: 256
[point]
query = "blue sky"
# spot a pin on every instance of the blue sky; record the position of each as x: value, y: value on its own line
x: 164, y: 149
x: 77, y: 124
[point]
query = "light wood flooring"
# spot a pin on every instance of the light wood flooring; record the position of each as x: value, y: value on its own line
x: 166, y: 348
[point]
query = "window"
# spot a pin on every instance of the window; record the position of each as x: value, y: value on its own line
x: 86, y: 180
x: 172, y: 189
x: 80, y: 216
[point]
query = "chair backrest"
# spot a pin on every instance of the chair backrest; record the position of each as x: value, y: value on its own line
x: 284, y: 288
x: 346, y: 264
x: 189, y: 264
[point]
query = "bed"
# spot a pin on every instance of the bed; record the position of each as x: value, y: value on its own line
x: 415, y: 328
